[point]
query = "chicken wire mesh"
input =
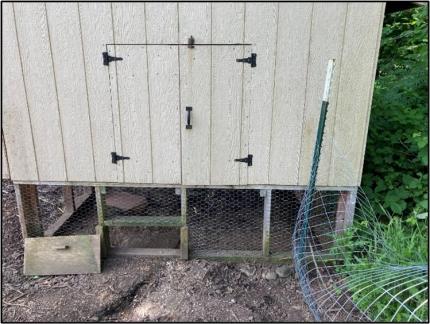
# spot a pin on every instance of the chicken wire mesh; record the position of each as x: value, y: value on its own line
x: 225, y: 219
x: 58, y: 210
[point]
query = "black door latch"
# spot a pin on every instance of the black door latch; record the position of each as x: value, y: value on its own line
x: 250, y: 60
x: 247, y: 160
x: 107, y: 58
x: 116, y: 157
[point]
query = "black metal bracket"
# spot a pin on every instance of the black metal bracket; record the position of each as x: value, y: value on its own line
x: 191, y: 42
x: 116, y: 157
x: 250, y: 60
x: 189, y: 110
x: 247, y: 160
x: 107, y: 58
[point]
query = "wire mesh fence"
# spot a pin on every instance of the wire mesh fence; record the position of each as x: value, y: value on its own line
x: 58, y: 210
x: 225, y: 219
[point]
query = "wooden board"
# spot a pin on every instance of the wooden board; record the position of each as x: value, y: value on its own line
x: 62, y: 255
x: 261, y: 27
x: 227, y: 77
x: 69, y: 68
x: 5, y: 174
x: 34, y: 43
x: 195, y: 71
x: 326, y: 41
x: 16, y: 124
x: 96, y: 31
x: 289, y: 91
x: 360, y: 52
x: 164, y: 99
x: 130, y: 82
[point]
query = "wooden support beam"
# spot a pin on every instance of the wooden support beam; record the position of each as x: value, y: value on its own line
x: 71, y: 205
x: 102, y: 229
x: 184, y: 228
x: 27, y: 201
x: 345, y: 210
x: 184, y: 242
x: 267, y: 194
x: 69, y: 200
x: 144, y: 221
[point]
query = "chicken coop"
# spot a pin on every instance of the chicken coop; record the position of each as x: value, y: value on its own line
x: 179, y: 129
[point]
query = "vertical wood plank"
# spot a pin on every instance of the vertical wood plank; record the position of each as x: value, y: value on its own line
x: 328, y: 24
x: 34, y: 43
x: 96, y: 30
x: 289, y: 94
x: 362, y: 35
x: 163, y: 71
x: 227, y: 77
x: 133, y: 94
x: 16, y: 123
x: 66, y: 45
x: 4, y: 163
x: 195, y: 68
x: 261, y: 22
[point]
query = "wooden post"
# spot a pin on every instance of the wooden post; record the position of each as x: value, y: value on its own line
x: 69, y: 199
x: 267, y: 194
x: 27, y: 201
x: 101, y: 229
x: 345, y: 210
x: 184, y: 228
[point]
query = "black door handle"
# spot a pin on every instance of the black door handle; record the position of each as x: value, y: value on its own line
x: 188, y: 109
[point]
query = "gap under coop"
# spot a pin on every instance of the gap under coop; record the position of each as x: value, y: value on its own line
x: 84, y: 223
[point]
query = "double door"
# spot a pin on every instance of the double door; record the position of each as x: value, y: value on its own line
x: 179, y: 114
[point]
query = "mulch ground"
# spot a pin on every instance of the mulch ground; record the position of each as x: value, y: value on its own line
x: 143, y: 289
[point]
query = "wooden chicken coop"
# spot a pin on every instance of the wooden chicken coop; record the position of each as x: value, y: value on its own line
x: 177, y: 115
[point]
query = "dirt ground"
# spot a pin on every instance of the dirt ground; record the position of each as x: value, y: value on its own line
x: 142, y: 289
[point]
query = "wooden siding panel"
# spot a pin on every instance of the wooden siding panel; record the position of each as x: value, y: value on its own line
x: 195, y: 68
x: 261, y: 24
x: 15, y: 116
x: 33, y: 39
x: 227, y: 78
x: 66, y: 45
x: 163, y: 70
x: 132, y: 91
x: 328, y: 24
x: 96, y: 29
x: 362, y: 36
x: 290, y: 88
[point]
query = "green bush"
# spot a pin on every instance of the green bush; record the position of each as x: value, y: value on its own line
x: 395, y: 172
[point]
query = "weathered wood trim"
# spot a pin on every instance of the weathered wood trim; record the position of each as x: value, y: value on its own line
x: 242, y: 256
x: 70, y: 206
x: 153, y: 185
x: 184, y: 242
x: 28, y: 211
x: 145, y: 221
x: 101, y: 229
x: 266, y: 222
x: 145, y: 252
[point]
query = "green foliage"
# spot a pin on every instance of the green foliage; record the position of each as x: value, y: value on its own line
x: 380, y: 261
x: 395, y: 172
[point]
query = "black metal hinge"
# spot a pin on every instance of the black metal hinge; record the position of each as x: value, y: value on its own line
x: 107, y: 58
x: 247, y: 160
x: 116, y: 157
x: 250, y: 60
